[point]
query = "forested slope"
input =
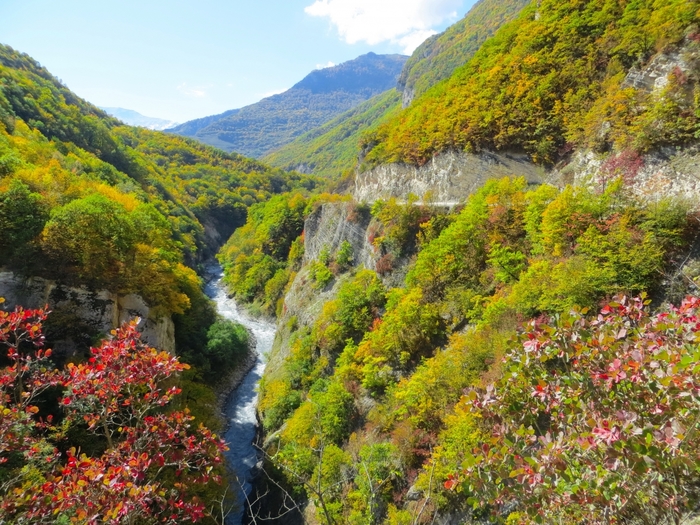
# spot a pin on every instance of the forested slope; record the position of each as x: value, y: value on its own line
x: 333, y: 149
x: 437, y: 58
x: 515, y: 359
x: 102, y: 210
x: 554, y: 80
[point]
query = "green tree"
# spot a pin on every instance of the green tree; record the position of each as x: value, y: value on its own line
x: 22, y: 217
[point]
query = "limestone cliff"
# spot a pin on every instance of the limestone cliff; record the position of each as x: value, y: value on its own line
x: 79, y: 315
x: 447, y: 179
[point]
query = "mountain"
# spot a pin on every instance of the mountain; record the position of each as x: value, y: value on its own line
x: 497, y: 360
x: 437, y: 57
x: 333, y: 148
x: 87, y: 201
x: 261, y: 128
x: 106, y: 222
x: 133, y: 118
x: 561, y: 77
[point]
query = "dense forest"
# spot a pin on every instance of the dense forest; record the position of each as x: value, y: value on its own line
x: 380, y: 380
x: 551, y: 81
x: 517, y: 359
x: 437, y: 58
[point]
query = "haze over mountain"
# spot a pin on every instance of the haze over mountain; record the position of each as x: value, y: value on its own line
x: 261, y: 128
x: 134, y: 118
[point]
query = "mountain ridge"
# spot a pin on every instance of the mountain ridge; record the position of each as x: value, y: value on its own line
x: 259, y: 129
x: 333, y: 148
x: 134, y: 118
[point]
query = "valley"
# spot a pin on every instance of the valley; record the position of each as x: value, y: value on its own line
x: 452, y: 288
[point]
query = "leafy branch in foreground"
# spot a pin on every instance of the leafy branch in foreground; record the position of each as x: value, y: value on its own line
x: 595, y: 419
x: 151, y: 464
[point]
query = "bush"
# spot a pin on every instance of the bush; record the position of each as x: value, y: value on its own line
x: 227, y: 343
x: 598, y: 414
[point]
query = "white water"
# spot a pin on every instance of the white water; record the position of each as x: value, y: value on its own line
x: 240, y: 409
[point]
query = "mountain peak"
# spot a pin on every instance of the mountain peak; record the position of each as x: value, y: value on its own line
x: 323, y: 94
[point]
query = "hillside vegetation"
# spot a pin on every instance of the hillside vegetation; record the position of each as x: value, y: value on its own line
x: 87, y: 202
x: 437, y: 58
x: 261, y: 128
x: 332, y: 149
x: 552, y: 80
x: 517, y: 359
x: 376, y: 380
x: 169, y: 199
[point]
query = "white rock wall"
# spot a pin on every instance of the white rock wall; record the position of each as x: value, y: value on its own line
x: 100, y: 310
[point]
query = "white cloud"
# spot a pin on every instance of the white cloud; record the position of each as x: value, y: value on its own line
x: 191, y: 91
x: 324, y: 66
x: 403, y: 22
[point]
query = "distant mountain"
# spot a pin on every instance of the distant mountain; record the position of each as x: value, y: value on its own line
x: 332, y: 149
x: 261, y: 128
x: 128, y: 116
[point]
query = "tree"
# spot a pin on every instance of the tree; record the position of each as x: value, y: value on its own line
x: 22, y: 217
x: 152, y: 462
x: 95, y: 234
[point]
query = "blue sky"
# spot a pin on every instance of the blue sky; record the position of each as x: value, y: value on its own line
x: 184, y: 59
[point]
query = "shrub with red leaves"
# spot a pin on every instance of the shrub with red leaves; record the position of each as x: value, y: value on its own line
x: 153, y: 460
x: 595, y: 419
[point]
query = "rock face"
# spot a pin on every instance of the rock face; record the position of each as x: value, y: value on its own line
x: 332, y: 224
x: 326, y: 228
x: 654, y: 77
x: 661, y: 174
x: 448, y: 178
x: 84, y: 311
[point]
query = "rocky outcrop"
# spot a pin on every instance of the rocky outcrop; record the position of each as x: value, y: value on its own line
x: 331, y: 224
x: 447, y: 179
x: 95, y: 313
x: 666, y: 173
x: 326, y: 228
x: 655, y: 76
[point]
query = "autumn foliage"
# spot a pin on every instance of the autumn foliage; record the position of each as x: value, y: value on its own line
x: 150, y: 461
x: 594, y: 419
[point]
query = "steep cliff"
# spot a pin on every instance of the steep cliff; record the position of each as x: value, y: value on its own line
x: 80, y: 315
x: 447, y: 179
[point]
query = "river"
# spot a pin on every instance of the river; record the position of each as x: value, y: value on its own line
x: 240, y: 409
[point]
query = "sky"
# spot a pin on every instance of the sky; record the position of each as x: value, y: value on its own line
x: 184, y: 59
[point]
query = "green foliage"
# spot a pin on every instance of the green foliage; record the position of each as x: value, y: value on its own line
x: 22, y: 217
x: 260, y: 249
x: 509, y: 254
x: 343, y: 320
x: 227, y: 343
x: 400, y: 225
x: 345, y: 257
x: 551, y: 77
x: 95, y: 234
x: 331, y: 150
x: 321, y: 274
x: 437, y: 58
